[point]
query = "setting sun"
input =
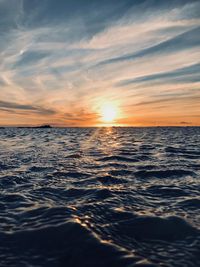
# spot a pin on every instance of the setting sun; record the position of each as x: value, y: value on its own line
x: 108, y: 113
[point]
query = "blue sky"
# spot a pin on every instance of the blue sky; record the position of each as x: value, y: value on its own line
x: 62, y: 60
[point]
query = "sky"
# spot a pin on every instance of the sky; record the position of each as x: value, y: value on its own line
x: 63, y: 61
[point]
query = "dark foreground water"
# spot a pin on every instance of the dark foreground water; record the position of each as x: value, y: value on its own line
x: 110, y: 197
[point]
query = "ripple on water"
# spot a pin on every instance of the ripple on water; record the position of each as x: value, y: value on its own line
x: 118, y: 158
x: 157, y: 228
x: 192, y: 203
x: 167, y: 191
x: 71, y: 243
x: 119, y: 197
x: 164, y: 173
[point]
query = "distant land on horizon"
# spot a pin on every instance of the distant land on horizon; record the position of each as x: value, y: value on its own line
x: 48, y: 126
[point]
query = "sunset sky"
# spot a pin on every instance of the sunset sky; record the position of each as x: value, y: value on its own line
x: 70, y: 62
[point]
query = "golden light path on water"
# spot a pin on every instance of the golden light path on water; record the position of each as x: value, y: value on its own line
x: 109, y: 112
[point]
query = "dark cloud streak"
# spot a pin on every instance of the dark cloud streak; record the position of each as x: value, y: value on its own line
x: 30, y: 57
x: 186, y: 40
x: 189, y: 73
x: 171, y: 100
x: 6, y: 106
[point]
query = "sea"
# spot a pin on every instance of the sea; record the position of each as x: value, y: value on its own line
x: 100, y: 197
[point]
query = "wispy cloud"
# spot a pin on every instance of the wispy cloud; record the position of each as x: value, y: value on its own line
x: 13, y: 107
x: 183, y: 41
x: 183, y: 75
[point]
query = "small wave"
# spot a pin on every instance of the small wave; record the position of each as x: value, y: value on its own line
x: 165, y: 191
x: 116, y: 165
x: 182, y: 151
x: 164, y: 174
x: 108, y: 179
x: 157, y: 228
x: 11, y: 198
x: 68, y: 244
x: 193, y: 204
x: 76, y: 174
x: 120, y: 172
x: 40, y: 169
x: 194, y: 166
x: 77, y: 193
x: 74, y: 156
x: 5, y: 167
x: 61, y: 194
x: 147, y: 167
x: 143, y: 158
x: 118, y: 158
x: 9, y: 180
x: 103, y: 193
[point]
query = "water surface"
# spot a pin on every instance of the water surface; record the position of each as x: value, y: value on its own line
x: 100, y: 197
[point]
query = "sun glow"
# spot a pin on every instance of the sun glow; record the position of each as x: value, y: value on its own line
x: 108, y: 113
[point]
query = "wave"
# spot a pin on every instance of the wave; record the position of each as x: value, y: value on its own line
x: 68, y: 244
x: 193, y: 203
x: 164, y: 173
x: 157, y: 228
x: 167, y: 191
x: 91, y: 197
x: 182, y: 151
x: 108, y: 179
x: 117, y: 158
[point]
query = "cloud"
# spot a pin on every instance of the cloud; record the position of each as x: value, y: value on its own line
x: 65, y: 58
x: 185, y: 74
x: 170, y: 100
x: 84, y: 18
x: 12, y: 107
x: 185, y: 40
x: 185, y: 122
x: 30, y: 57
x: 10, y: 13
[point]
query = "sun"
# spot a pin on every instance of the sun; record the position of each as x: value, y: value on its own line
x: 108, y: 113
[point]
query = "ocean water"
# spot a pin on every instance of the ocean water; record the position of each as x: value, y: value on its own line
x: 91, y: 197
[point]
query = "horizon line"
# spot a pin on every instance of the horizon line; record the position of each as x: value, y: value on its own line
x: 96, y: 126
